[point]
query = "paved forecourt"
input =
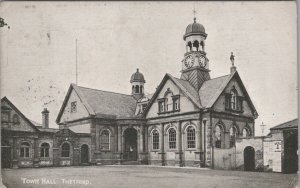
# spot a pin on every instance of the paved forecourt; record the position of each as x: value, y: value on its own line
x: 142, y: 177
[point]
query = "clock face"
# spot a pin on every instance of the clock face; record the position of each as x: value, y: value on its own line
x: 202, y: 61
x: 189, y: 61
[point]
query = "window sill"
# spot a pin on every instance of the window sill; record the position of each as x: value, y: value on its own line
x: 232, y: 110
x: 167, y: 112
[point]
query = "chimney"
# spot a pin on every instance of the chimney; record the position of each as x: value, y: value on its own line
x: 45, y: 118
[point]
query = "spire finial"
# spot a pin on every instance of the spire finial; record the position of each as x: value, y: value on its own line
x: 137, y: 70
x: 232, y: 58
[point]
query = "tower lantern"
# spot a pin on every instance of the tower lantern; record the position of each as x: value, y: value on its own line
x: 195, y: 63
x: 137, y: 82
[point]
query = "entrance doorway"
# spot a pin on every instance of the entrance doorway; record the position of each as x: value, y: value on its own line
x: 290, y: 163
x: 249, y: 159
x: 84, y: 154
x: 130, y: 136
x: 5, y: 155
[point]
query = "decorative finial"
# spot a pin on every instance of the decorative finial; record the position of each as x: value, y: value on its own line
x: 137, y: 70
x: 2, y: 23
x: 232, y: 58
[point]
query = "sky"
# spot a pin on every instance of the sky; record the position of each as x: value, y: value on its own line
x: 38, y: 52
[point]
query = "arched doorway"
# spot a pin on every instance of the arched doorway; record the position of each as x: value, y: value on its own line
x: 249, y: 159
x: 290, y: 163
x: 5, y: 155
x: 84, y: 154
x: 130, y: 136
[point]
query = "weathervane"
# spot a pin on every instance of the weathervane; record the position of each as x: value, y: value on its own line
x: 232, y: 58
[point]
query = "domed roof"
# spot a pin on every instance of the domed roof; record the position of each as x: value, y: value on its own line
x: 137, y: 77
x: 194, y: 28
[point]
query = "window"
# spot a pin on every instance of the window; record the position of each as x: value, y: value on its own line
x: 233, y: 100
x: 176, y: 102
x: 172, y: 138
x: 155, y: 140
x: 246, y: 132
x: 24, y: 150
x: 73, y: 106
x: 45, y: 150
x: 233, y: 135
x: 191, y: 143
x: 161, y: 106
x: 65, y: 150
x: 137, y: 89
x: 169, y: 102
x: 16, y: 119
x: 104, y: 140
x: 218, y: 136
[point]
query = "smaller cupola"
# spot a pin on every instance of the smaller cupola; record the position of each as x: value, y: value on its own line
x: 137, y: 82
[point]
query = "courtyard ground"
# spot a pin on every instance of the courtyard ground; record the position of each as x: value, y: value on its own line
x: 142, y: 177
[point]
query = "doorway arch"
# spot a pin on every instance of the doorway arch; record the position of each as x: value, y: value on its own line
x: 84, y: 154
x: 249, y: 159
x: 130, y: 137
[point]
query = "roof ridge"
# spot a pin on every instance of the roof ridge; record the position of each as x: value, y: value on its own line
x: 219, y: 77
x: 284, y: 123
x: 105, y: 91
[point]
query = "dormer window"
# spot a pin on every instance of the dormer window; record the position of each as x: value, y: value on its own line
x: 73, y: 107
x: 161, y: 106
x: 233, y: 102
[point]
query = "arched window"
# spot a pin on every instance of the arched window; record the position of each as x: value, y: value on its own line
x: 202, y: 45
x: 233, y: 100
x: 16, y: 119
x: 196, y: 45
x: 141, y: 89
x: 104, y: 140
x: 233, y: 135
x: 45, y: 150
x: 246, y: 132
x: 172, y: 138
x: 65, y: 150
x: 24, y: 149
x: 191, y: 137
x: 189, y: 46
x: 155, y: 139
x: 218, y: 135
x: 137, y: 89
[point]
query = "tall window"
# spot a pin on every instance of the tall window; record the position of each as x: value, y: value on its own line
x: 172, y: 138
x: 233, y: 100
x: 24, y: 150
x: 45, y: 150
x: 218, y: 135
x: 155, y: 139
x: 65, y: 150
x: 191, y: 141
x: 233, y: 135
x: 176, y: 102
x: 161, y: 106
x: 104, y: 140
x: 246, y: 132
x: 169, y: 102
x: 73, y: 106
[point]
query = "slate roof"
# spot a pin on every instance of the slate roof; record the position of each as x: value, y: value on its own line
x: 211, y: 90
x: 109, y: 104
x: 287, y: 125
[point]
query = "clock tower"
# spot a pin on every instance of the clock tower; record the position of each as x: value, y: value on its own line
x: 195, y: 63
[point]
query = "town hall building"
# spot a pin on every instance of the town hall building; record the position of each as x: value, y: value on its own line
x: 194, y: 120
